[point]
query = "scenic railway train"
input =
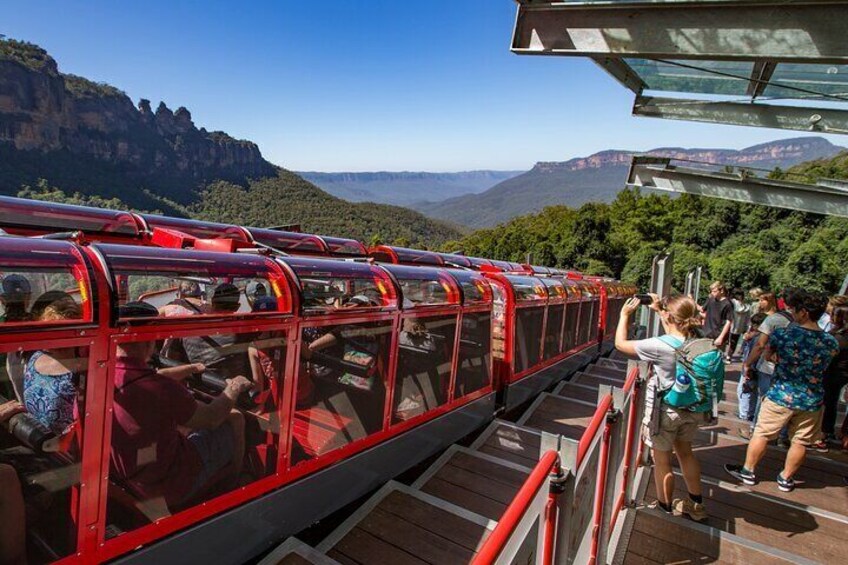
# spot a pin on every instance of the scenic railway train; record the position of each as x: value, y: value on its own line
x: 361, y: 364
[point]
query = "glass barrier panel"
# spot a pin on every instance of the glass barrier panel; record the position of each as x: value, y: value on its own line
x: 425, y: 356
x: 474, y: 366
x: 553, y: 331
x: 341, y: 387
x: 528, y: 337
x: 572, y: 311
x: 41, y: 451
x: 193, y: 418
x: 43, y: 296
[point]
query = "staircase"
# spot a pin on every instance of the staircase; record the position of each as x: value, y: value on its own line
x: 452, y: 508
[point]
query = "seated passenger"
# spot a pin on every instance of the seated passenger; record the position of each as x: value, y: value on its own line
x: 258, y: 299
x: 224, y: 353
x: 17, y: 292
x: 51, y: 376
x: 188, y: 302
x: 12, y: 510
x: 149, y: 452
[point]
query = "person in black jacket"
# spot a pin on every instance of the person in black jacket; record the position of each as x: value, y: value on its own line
x: 835, y: 378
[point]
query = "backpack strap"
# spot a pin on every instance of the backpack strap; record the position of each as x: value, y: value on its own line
x: 674, y: 342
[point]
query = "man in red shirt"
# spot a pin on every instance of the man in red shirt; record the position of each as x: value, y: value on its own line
x: 166, y: 445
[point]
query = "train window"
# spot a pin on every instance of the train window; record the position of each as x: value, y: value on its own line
x: 345, y: 247
x: 475, y: 287
x: 194, y: 417
x: 421, y: 286
x: 341, y: 386
x: 473, y: 370
x: 528, y: 337
x: 196, y: 228
x: 41, y: 446
x: 453, y: 260
x: 584, y: 333
x: 425, y: 359
x: 405, y: 256
x: 180, y: 283
x: 527, y: 288
x: 553, y: 331
x: 290, y: 242
x: 42, y: 283
x: 569, y: 338
x: 328, y: 285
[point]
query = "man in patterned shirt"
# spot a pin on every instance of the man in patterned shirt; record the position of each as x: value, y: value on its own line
x: 802, y: 353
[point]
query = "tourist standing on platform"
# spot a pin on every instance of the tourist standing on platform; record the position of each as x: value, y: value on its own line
x: 718, y: 315
x: 834, y: 302
x: 740, y: 321
x: 754, y: 295
x: 746, y: 390
x: 760, y: 370
x: 836, y: 377
x: 667, y: 429
x: 802, y: 353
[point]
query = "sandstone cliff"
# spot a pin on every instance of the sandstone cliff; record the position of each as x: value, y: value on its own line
x: 83, y: 135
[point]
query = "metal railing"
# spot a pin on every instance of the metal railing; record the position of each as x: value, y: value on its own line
x: 590, y: 482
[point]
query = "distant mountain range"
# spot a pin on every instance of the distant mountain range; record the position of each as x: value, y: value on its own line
x: 406, y: 188
x: 599, y: 177
x: 91, y: 142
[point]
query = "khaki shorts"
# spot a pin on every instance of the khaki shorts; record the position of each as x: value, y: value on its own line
x: 804, y: 426
x: 675, y: 425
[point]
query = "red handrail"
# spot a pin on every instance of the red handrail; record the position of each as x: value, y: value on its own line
x: 593, y: 427
x: 631, y: 438
x: 496, y: 542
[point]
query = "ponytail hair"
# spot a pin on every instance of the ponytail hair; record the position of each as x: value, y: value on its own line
x: 683, y: 312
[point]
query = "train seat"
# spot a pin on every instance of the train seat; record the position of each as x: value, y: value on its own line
x: 319, y: 430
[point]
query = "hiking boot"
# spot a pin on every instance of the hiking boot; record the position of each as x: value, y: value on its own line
x: 821, y: 446
x: 656, y: 506
x: 786, y: 485
x: 745, y: 433
x: 689, y: 507
x: 742, y: 474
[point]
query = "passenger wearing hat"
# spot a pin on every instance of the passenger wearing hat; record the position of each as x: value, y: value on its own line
x: 149, y: 452
x: 17, y: 292
x: 257, y: 297
x: 189, y: 301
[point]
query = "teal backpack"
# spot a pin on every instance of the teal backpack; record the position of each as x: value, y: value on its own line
x: 703, y: 364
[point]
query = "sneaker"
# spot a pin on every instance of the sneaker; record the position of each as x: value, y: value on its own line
x: 690, y: 508
x: 786, y: 485
x: 783, y: 442
x: 745, y: 433
x: 820, y: 446
x: 742, y: 474
x: 656, y: 506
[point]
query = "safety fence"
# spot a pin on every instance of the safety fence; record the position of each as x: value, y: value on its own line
x: 571, y: 502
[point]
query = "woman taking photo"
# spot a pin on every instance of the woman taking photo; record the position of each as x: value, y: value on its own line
x: 667, y: 429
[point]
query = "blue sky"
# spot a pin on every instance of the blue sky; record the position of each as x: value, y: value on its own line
x: 347, y: 85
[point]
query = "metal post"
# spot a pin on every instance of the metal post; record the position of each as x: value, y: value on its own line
x: 844, y: 286
x: 661, y: 270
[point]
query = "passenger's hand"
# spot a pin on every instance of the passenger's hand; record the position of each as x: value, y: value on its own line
x: 630, y: 306
x: 9, y: 409
x: 197, y: 368
x: 237, y: 385
x: 718, y: 342
x: 656, y: 302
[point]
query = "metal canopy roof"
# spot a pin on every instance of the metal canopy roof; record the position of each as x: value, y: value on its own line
x: 779, y: 64
x: 740, y: 184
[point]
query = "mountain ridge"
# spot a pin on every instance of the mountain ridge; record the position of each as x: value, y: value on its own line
x: 599, y: 177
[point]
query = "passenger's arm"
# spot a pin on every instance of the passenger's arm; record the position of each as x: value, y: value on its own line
x: 754, y: 356
x: 626, y: 346
x: 181, y: 372
x: 210, y: 416
x: 719, y: 341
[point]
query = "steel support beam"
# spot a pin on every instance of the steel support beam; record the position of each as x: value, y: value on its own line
x: 657, y: 173
x: 622, y: 72
x: 803, y: 31
x: 743, y: 114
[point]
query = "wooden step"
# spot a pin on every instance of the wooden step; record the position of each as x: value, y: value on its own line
x: 660, y: 538
x: 473, y: 480
x: 576, y: 391
x: 741, y: 512
x: 510, y: 442
x: 557, y: 415
x: 404, y: 526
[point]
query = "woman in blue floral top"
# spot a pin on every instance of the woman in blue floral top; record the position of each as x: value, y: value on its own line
x: 802, y: 353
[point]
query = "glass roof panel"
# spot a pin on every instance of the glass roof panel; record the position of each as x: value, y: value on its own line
x: 823, y: 79
x: 694, y: 76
